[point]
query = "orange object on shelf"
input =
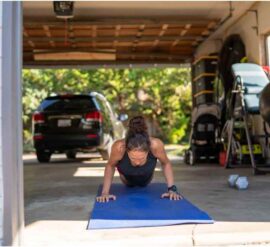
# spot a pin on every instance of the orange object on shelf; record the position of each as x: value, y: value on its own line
x: 222, y: 158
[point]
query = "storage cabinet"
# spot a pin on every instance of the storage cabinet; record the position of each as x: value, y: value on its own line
x: 205, y: 65
x: 204, y: 83
x: 204, y: 98
x: 203, y: 79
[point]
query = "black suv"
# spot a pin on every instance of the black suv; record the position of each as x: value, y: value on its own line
x: 72, y: 123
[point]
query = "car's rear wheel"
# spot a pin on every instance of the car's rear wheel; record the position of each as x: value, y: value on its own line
x: 192, y: 157
x: 71, y: 154
x: 186, y: 157
x: 43, y: 156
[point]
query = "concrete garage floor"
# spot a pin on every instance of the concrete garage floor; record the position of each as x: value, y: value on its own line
x: 60, y: 195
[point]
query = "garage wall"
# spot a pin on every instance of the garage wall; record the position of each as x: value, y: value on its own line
x: 1, y: 163
x: 264, y: 28
x: 11, y: 166
x: 245, y: 26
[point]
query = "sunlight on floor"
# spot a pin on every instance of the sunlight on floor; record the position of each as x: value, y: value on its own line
x: 93, y: 162
x: 55, y: 233
x: 96, y: 171
x: 91, y: 172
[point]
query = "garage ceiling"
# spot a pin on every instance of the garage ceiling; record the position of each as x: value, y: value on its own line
x: 115, y: 33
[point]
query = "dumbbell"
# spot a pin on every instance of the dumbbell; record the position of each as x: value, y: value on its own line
x: 241, y: 183
x: 232, y: 179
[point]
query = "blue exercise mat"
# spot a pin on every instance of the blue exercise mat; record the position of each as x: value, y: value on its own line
x: 143, y: 206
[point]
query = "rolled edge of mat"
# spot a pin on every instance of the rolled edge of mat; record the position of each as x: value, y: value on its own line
x: 109, y: 224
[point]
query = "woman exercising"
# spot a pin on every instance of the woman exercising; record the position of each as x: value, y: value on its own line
x: 135, y: 158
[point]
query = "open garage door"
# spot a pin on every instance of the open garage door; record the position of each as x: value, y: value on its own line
x: 101, y: 34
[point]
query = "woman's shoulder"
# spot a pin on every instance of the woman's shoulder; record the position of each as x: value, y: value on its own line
x: 119, y: 145
x: 117, y: 152
x: 156, y: 143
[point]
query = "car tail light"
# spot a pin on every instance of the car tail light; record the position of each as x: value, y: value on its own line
x: 38, y: 117
x: 38, y: 137
x: 93, y: 116
x: 92, y: 135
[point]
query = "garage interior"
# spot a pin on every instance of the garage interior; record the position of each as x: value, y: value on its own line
x: 59, y: 196
x: 106, y: 33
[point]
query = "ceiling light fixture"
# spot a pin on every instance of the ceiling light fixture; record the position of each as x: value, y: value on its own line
x: 63, y: 9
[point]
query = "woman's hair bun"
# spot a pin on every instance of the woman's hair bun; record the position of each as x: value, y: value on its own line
x: 137, y: 125
x: 137, y: 136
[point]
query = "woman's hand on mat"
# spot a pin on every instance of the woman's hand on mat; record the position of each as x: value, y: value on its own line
x: 106, y: 198
x: 172, y: 196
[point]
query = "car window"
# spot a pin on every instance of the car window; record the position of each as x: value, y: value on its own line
x: 70, y: 103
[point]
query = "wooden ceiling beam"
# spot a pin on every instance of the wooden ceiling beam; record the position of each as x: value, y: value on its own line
x: 161, y: 33
x: 94, y: 38
x: 100, y: 63
x: 94, y: 35
x: 204, y: 34
x: 72, y: 37
x: 30, y: 42
x: 121, y: 45
x: 143, y: 45
x: 131, y: 54
x: 181, y: 34
x: 156, y: 30
x: 182, y: 49
x: 116, y: 35
x: 138, y: 37
x: 48, y: 34
x: 124, y: 21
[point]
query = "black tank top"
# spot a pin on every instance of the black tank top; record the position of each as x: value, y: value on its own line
x: 125, y: 167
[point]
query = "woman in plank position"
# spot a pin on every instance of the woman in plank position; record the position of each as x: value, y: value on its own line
x: 135, y: 158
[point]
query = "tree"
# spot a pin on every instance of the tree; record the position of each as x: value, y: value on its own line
x: 166, y: 102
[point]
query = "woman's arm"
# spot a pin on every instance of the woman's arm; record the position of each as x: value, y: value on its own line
x: 158, y: 150
x: 116, y: 155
